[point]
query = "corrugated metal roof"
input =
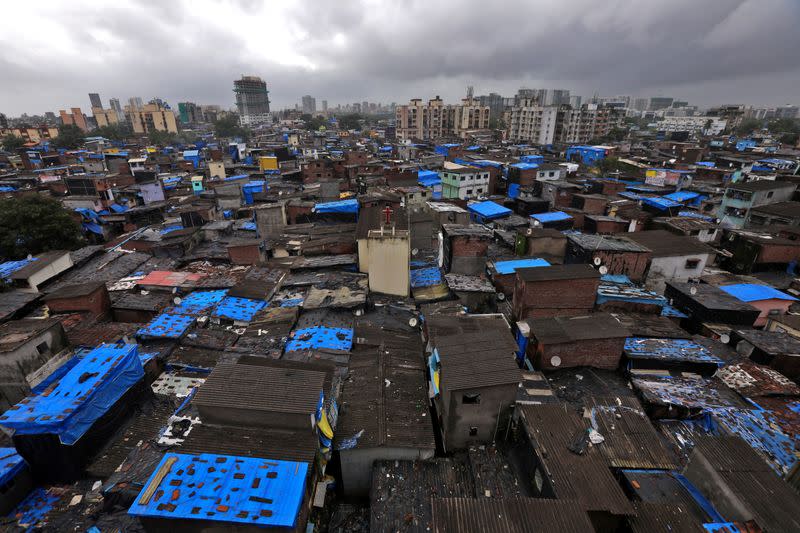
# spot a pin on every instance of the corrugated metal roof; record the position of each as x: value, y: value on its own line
x: 669, y: 350
x: 518, y: 515
x: 261, y: 388
x: 655, y: 517
x: 557, y: 330
x: 558, y: 272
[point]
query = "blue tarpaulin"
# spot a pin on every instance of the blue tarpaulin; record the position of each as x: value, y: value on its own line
x: 532, y: 158
x: 675, y: 350
x: 225, y: 488
x: 32, y: 511
x: 682, y: 196
x: 198, y: 302
x: 488, y: 210
x: 695, y: 214
x: 166, y: 326
x: 238, y: 309
x: 7, y: 188
x: 84, y: 394
x: 513, y: 190
x: 525, y: 166
x: 552, y: 216
x: 169, y: 229
x: 92, y: 227
x: 426, y: 277
x: 509, y: 267
x: 11, y: 464
x: 428, y: 178
x: 661, y: 203
x: 340, y: 206
x: 9, y: 267
x: 118, y: 208
x: 320, y: 337
x: 752, y: 292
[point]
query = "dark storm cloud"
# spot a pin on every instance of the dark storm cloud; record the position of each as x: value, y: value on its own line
x: 708, y: 52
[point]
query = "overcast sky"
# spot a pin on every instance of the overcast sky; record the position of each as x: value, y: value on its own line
x: 706, y: 51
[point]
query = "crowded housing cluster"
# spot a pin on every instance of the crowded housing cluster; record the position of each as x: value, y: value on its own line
x: 510, y: 315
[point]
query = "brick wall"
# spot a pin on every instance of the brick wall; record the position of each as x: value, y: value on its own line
x: 569, y: 297
x: 597, y: 353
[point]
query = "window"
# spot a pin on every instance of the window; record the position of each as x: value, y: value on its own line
x: 691, y: 264
x: 770, y: 193
x: 551, y: 173
x: 42, y: 348
x: 473, y: 431
x: 471, y: 399
x: 462, y: 178
x: 479, y: 191
x: 469, y: 191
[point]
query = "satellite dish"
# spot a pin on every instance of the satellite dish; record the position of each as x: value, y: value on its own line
x: 597, y: 261
x: 177, y: 300
x: 30, y: 257
x: 413, y: 321
x: 555, y: 361
x: 501, y: 296
x: 693, y: 291
x: 603, y: 270
x: 536, y: 223
x: 414, y: 251
x: 724, y: 338
x: 174, y: 290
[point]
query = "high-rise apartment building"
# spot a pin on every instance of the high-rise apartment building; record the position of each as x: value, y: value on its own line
x: 252, y: 100
x: 115, y: 105
x: 534, y: 123
x: 189, y: 112
x: 660, y: 102
x: 74, y: 117
x: 152, y: 117
x: 436, y: 119
x: 309, y: 104
x: 324, y: 106
x: 105, y: 117
x: 136, y: 102
x: 94, y: 100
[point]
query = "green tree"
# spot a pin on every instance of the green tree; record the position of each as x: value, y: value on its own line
x: 789, y: 138
x: 113, y: 132
x: 70, y: 137
x: 315, y: 123
x: 784, y: 125
x: 351, y: 121
x: 616, y: 135
x: 161, y: 138
x: 747, y: 126
x: 12, y: 143
x: 229, y: 127
x: 33, y: 224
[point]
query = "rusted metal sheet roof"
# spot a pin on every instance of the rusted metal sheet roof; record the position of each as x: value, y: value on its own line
x: 518, y: 515
x: 753, y: 380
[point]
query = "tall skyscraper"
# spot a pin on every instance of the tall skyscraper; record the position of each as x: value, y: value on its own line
x: 94, y: 99
x: 324, y: 106
x: 252, y: 100
x: 309, y: 104
x: 117, y: 107
x: 136, y: 103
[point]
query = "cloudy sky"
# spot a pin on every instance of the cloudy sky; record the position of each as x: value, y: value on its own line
x: 52, y: 53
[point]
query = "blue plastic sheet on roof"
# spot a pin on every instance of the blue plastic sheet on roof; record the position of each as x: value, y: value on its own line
x: 661, y: 203
x: 340, y: 206
x: 83, y: 395
x: 198, y: 302
x: 513, y: 190
x: 172, y: 179
x: 248, y: 226
x: 425, y: 277
x: 228, y: 213
x: 166, y: 326
x: 225, y: 488
x: 630, y: 195
x: 7, y: 188
x: 118, y: 208
x: 752, y: 292
x: 670, y: 311
x: 92, y: 227
x: 320, y: 337
x: 88, y: 214
x: 191, y: 153
x: 474, y: 147
x: 428, y: 178
x: 9, y: 267
x: 236, y: 177
x: 385, y: 149
x: 695, y: 214
x: 709, y: 164
x: 238, y: 309
x: 531, y: 158
x: 552, y: 216
x: 668, y: 350
x: 488, y: 210
x: 525, y: 166
x: 11, y: 464
x: 170, y: 229
x: 292, y: 302
x: 681, y: 196
x: 509, y: 267
x: 32, y: 511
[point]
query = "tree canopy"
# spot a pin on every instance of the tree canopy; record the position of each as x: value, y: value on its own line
x: 33, y: 224
x: 229, y: 127
x: 747, y: 126
x: 113, y: 132
x: 70, y: 137
x: 314, y: 123
x: 12, y: 143
x: 351, y: 121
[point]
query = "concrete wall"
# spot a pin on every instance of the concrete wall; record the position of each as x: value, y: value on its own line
x: 17, y: 365
x: 50, y: 271
x: 459, y: 418
x: 357, y: 465
x: 663, y: 269
x: 269, y: 219
x: 388, y: 262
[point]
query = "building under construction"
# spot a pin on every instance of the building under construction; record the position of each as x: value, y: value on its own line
x: 252, y: 100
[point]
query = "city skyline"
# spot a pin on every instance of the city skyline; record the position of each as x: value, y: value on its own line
x: 729, y: 52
